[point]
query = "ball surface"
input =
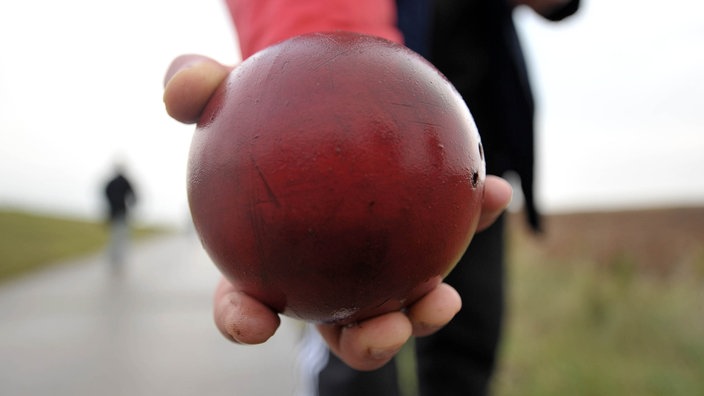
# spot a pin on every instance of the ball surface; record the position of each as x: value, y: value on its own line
x: 335, y: 176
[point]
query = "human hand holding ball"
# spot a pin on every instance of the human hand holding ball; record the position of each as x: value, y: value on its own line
x: 335, y: 178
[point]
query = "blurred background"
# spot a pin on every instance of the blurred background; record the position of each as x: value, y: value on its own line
x: 619, y: 95
x: 619, y: 90
x: 81, y: 86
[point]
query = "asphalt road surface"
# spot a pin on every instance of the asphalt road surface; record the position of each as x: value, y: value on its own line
x: 77, y: 329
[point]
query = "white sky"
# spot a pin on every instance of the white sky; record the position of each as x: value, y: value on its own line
x: 620, y: 96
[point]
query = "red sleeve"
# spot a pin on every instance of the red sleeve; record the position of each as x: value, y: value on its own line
x: 261, y: 23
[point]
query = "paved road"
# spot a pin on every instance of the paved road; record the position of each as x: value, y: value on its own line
x: 77, y: 330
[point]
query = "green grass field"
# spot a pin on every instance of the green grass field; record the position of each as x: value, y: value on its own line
x: 29, y: 241
x: 607, y: 304
x: 603, y: 304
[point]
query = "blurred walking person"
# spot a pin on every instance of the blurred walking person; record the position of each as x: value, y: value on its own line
x: 120, y: 197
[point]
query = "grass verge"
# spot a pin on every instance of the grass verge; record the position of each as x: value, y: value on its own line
x: 30, y: 241
x: 603, y: 324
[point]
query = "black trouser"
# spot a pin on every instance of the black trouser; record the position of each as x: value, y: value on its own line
x: 460, y: 358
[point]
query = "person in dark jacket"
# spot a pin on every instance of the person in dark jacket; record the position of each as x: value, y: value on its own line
x: 120, y: 196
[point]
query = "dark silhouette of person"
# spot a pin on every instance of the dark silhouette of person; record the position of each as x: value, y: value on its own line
x: 120, y: 196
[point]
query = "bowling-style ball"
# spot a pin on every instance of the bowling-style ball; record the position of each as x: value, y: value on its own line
x: 335, y: 176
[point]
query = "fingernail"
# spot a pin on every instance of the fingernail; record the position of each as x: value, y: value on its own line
x: 382, y: 353
x: 181, y: 63
x: 423, y: 328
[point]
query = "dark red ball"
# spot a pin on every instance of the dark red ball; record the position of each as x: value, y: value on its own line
x: 336, y: 176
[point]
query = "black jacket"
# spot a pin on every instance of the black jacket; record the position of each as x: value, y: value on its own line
x: 119, y: 194
x: 474, y: 43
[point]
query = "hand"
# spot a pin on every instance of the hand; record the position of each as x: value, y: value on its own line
x: 367, y: 345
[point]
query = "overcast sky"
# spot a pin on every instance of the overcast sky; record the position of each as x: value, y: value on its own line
x: 620, y: 95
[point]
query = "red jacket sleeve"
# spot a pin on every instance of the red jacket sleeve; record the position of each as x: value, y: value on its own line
x: 261, y: 23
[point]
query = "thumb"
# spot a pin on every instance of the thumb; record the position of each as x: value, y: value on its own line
x: 189, y: 83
